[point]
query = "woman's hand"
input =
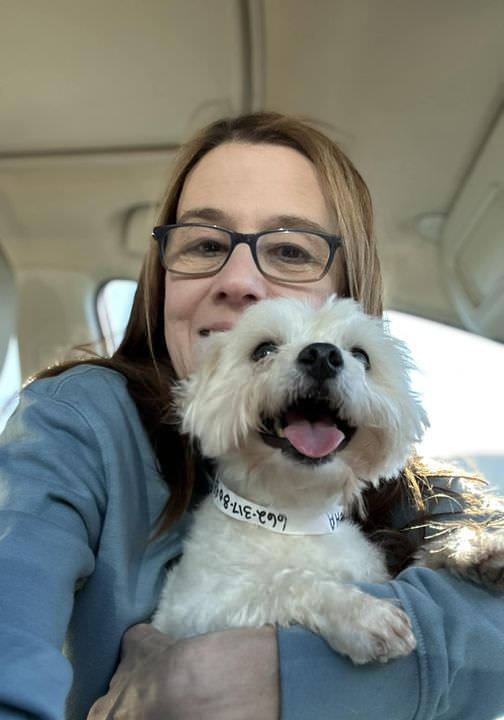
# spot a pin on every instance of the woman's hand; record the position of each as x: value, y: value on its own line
x: 230, y: 675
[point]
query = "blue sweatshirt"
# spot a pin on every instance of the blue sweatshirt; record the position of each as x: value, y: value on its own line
x: 79, y: 495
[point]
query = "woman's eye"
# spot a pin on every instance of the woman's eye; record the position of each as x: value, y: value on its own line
x: 206, y: 247
x: 291, y: 254
x: 362, y: 356
x: 262, y: 350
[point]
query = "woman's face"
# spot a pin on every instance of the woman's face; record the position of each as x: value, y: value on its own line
x: 246, y: 188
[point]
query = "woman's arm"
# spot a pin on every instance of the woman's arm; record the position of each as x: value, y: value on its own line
x: 79, y: 493
x: 44, y: 551
x: 455, y: 672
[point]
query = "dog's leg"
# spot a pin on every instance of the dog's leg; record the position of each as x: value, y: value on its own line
x: 354, y: 623
x: 469, y: 551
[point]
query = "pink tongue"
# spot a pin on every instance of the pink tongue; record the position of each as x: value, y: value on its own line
x: 313, y: 439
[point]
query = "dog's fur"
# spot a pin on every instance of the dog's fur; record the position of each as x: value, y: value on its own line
x: 263, y: 374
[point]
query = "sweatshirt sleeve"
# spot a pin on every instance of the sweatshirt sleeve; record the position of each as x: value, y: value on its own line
x: 455, y: 673
x: 50, y: 497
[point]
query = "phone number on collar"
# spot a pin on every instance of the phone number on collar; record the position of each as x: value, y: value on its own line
x: 247, y: 512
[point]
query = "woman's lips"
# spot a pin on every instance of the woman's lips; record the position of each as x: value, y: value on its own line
x: 216, y: 327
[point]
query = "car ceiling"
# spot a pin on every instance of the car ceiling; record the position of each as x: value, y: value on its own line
x: 97, y: 95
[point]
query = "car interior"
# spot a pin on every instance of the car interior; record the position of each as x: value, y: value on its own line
x: 96, y: 97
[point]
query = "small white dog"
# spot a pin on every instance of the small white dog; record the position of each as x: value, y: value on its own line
x: 300, y: 408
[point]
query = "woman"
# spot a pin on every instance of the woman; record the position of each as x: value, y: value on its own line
x: 96, y: 484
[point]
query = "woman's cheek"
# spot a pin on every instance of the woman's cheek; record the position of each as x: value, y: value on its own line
x: 181, y: 351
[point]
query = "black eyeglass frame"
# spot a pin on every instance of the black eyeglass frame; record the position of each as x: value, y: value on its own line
x: 160, y: 234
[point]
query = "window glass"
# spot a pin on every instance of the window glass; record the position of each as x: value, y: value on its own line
x: 113, y: 307
x: 10, y: 382
x: 459, y: 378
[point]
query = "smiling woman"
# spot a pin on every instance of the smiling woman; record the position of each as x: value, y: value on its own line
x: 228, y: 186
x: 99, y: 476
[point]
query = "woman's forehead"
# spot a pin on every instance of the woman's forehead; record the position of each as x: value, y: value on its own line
x: 254, y: 184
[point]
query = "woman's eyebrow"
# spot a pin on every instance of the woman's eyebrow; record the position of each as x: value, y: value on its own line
x: 219, y: 217
x: 206, y: 214
x: 297, y: 221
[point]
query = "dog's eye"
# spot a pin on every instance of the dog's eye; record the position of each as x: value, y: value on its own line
x: 262, y: 350
x: 361, y: 355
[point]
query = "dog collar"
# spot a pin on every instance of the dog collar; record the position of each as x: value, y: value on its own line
x: 286, y: 522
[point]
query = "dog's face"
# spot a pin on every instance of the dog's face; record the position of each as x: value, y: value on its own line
x: 321, y: 391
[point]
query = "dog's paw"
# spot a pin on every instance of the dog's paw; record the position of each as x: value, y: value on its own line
x: 471, y: 553
x: 485, y: 564
x: 374, y: 630
x: 490, y: 571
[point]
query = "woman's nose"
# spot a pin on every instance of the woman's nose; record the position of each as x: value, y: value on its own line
x: 240, y: 282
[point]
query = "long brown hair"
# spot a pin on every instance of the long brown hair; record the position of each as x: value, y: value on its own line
x: 143, y: 356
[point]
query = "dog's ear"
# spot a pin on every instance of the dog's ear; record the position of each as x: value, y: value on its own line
x: 402, y: 413
x: 189, y: 394
x: 213, y: 404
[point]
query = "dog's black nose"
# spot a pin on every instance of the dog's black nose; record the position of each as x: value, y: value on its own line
x: 321, y: 360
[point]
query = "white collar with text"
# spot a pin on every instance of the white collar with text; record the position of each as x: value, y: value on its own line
x: 286, y: 522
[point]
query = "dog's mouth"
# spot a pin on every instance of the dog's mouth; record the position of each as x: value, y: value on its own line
x: 308, y: 430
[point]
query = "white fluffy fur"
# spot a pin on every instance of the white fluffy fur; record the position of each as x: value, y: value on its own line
x: 234, y: 574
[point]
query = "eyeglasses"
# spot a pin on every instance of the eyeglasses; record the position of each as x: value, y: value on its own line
x: 294, y: 256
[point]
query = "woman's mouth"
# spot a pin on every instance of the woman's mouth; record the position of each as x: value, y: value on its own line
x: 215, y: 327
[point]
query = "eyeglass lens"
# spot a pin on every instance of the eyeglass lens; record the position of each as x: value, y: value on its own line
x: 294, y: 255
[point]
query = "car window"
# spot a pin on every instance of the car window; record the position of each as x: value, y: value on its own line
x: 10, y: 382
x: 459, y: 378
x: 113, y: 307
